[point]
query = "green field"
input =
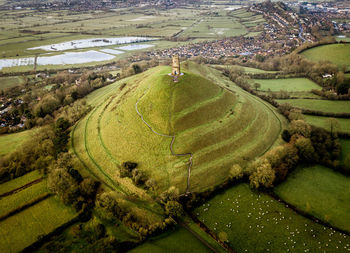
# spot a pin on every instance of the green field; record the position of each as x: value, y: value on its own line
x: 177, y: 240
x: 254, y: 222
x: 19, y: 181
x: 322, y: 122
x: 319, y: 105
x: 10, y: 81
x: 11, y: 142
x: 246, y: 69
x: 338, y: 54
x: 219, y: 127
x: 345, y: 145
x: 319, y: 191
x: 13, y: 201
x: 24, y: 228
x: 289, y: 84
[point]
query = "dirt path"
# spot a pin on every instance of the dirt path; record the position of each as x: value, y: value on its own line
x: 171, y: 143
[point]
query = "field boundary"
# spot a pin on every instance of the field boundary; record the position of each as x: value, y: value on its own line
x: 25, y: 206
x: 21, y: 188
x: 305, y: 214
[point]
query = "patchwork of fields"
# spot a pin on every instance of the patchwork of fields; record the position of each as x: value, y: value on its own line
x: 28, y: 212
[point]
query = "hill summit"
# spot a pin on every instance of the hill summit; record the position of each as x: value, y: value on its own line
x: 186, y: 134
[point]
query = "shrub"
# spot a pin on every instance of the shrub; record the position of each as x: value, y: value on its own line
x: 263, y: 175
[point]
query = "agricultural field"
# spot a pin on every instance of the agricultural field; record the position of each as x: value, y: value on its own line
x: 177, y: 240
x: 338, y: 54
x: 255, y: 222
x: 323, y: 122
x: 10, y: 82
x: 24, y: 228
x: 19, y: 181
x: 214, y: 27
x: 201, y: 121
x: 345, y: 144
x: 319, y: 191
x: 288, y: 84
x: 13, y: 201
x: 13, y: 141
x: 319, y: 105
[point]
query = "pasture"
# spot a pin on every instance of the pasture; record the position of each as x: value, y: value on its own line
x: 13, y: 141
x: 255, y: 222
x: 319, y: 105
x: 19, y: 181
x: 13, y: 201
x: 288, y: 84
x: 319, y: 191
x: 339, y: 54
x: 24, y: 228
x: 176, y: 240
x: 10, y: 81
x: 216, y: 125
x: 323, y: 122
x: 345, y: 145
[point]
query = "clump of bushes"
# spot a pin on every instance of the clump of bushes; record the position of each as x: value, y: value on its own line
x: 67, y: 183
x: 306, y: 144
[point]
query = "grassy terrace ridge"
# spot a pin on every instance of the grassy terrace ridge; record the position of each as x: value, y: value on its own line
x: 255, y: 222
x: 319, y: 105
x: 338, y: 54
x: 215, y: 124
x: 24, y: 228
x: 319, y: 191
x: 287, y: 84
x: 322, y: 122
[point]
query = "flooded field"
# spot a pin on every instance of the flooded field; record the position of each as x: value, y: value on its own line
x: 135, y: 47
x: 94, y: 42
x: 65, y: 58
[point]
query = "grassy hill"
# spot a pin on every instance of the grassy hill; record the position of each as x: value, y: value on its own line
x: 210, y: 117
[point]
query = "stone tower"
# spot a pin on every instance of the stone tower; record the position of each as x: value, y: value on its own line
x: 176, y: 66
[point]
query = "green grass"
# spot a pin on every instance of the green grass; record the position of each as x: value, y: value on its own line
x: 322, y: 122
x: 219, y: 127
x: 339, y: 54
x: 255, y: 222
x: 289, y: 84
x: 176, y: 240
x: 320, y: 105
x: 319, y: 191
x: 11, y: 142
x: 345, y: 145
x: 24, y: 228
x: 246, y: 69
x: 19, y: 181
x: 10, y: 81
x: 13, y: 201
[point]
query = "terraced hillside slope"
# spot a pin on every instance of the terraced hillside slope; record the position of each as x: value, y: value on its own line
x: 202, y: 114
